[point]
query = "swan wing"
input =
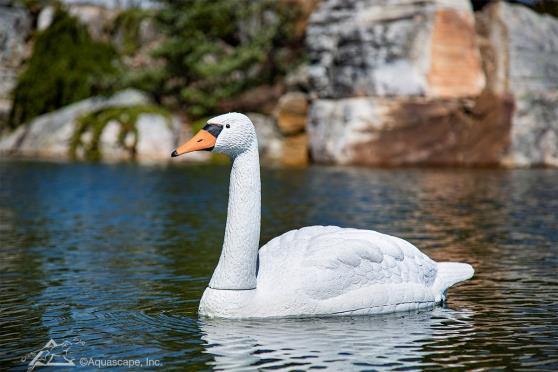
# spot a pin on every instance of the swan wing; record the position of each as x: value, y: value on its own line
x: 328, y: 261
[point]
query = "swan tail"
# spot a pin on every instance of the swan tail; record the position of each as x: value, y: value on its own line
x: 450, y: 273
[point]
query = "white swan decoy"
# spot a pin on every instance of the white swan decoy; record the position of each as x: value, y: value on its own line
x: 313, y: 271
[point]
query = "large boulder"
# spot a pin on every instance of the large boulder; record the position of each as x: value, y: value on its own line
x: 520, y: 57
x: 53, y: 135
x: 393, y: 132
x: 394, y: 48
x: 401, y: 82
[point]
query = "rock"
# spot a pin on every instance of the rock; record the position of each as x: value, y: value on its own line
x: 99, y: 15
x: 262, y: 98
x: 524, y: 65
x: 108, y: 143
x: 379, y: 131
x: 15, y: 27
x: 295, y: 150
x: 298, y: 79
x: 97, y: 18
x: 398, y: 83
x: 394, y: 48
x: 275, y: 148
x: 513, y: 50
x: 49, y: 135
x: 534, y: 131
x: 157, y: 137
x: 270, y: 141
x: 291, y: 112
x: 45, y: 18
x: 114, y: 4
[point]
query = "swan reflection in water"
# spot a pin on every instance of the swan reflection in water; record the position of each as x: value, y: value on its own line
x: 409, y: 339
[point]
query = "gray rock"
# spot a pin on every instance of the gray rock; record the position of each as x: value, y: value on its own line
x: 270, y: 141
x: 49, y: 135
x: 534, y: 131
x: 46, y: 16
x: 15, y: 26
x: 523, y: 63
x: 108, y: 143
x: 298, y: 79
x: 97, y: 19
x: 114, y: 4
x: 157, y: 137
x: 386, y: 48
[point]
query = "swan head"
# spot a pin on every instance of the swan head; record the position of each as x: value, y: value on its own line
x: 230, y: 134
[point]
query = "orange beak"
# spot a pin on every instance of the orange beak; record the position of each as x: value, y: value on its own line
x: 203, y: 140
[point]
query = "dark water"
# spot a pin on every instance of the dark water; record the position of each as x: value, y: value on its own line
x: 118, y: 257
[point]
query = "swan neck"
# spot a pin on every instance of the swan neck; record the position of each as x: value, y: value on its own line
x: 238, y: 262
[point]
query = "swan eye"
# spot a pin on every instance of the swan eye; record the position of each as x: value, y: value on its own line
x: 228, y: 125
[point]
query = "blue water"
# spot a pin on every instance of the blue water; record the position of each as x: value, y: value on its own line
x: 114, y: 258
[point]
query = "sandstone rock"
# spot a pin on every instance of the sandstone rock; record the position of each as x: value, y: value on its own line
x: 295, y: 150
x: 291, y: 112
x: 15, y: 26
x: 394, y: 48
x: 393, y: 132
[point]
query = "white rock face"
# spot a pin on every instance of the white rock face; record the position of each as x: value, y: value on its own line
x: 49, y: 135
x: 527, y: 68
x: 157, y: 137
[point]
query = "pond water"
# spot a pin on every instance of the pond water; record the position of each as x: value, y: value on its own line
x: 114, y: 259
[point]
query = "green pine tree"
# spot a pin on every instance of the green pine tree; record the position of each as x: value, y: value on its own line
x: 217, y: 49
x: 66, y: 66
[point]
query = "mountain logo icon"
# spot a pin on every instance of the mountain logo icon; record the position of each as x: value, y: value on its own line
x: 53, y: 354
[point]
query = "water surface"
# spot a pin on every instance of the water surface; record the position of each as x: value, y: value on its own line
x: 118, y: 256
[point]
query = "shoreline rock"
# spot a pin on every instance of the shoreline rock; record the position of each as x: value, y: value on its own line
x: 50, y: 136
x: 428, y: 83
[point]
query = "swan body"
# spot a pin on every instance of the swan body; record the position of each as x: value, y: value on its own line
x: 313, y: 271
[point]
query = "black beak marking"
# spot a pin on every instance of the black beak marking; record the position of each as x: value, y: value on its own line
x: 174, y: 154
